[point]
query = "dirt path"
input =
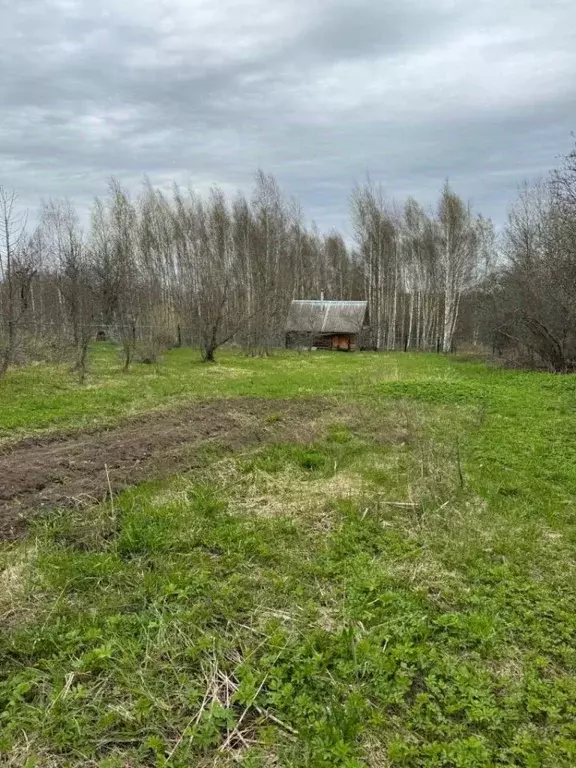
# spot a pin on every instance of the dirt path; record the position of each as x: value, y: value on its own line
x: 59, y: 470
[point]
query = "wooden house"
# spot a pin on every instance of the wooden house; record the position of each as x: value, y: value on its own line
x: 338, y: 325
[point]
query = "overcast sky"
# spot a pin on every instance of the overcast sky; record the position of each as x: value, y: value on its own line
x: 318, y: 92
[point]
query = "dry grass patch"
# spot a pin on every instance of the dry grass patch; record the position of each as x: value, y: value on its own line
x: 15, y: 580
x: 285, y: 493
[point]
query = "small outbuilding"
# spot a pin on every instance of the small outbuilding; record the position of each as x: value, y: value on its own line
x: 338, y: 325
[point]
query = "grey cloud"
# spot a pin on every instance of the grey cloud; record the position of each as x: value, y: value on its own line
x: 366, y: 28
x: 319, y: 95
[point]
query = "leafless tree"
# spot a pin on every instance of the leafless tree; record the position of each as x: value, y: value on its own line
x: 123, y: 240
x: 103, y: 266
x: 19, y: 262
x: 535, y: 295
x: 165, y: 257
x: 421, y: 275
x: 215, y: 319
x: 377, y: 237
x: 64, y: 242
x: 459, y: 248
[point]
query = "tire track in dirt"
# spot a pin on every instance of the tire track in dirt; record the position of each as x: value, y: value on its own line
x: 37, y: 474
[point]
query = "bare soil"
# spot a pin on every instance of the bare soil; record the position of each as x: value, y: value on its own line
x: 81, y: 468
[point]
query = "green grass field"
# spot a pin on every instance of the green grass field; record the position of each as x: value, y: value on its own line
x: 398, y: 591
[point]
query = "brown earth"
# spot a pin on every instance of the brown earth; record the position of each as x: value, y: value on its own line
x: 81, y: 468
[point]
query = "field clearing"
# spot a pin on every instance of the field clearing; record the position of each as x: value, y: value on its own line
x: 302, y: 560
x: 43, y: 397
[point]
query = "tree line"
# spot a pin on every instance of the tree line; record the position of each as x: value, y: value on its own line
x: 170, y: 269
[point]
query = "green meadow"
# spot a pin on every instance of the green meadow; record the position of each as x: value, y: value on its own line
x: 397, y: 589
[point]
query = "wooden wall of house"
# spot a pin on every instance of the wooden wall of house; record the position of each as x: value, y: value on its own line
x: 333, y: 341
x: 344, y: 341
x: 296, y: 339
x: 323, y: 341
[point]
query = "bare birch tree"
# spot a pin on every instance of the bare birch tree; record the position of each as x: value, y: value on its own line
x: 12, y: 228
x: 377, y: 238
x: 19, y: 261
x: 123, y: 240
x: 64, y: 241
x: 458, y: 249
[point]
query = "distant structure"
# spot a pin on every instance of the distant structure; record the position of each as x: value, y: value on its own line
x: 320, y: 324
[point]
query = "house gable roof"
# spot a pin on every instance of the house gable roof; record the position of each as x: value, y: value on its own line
x: 326, y: 316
